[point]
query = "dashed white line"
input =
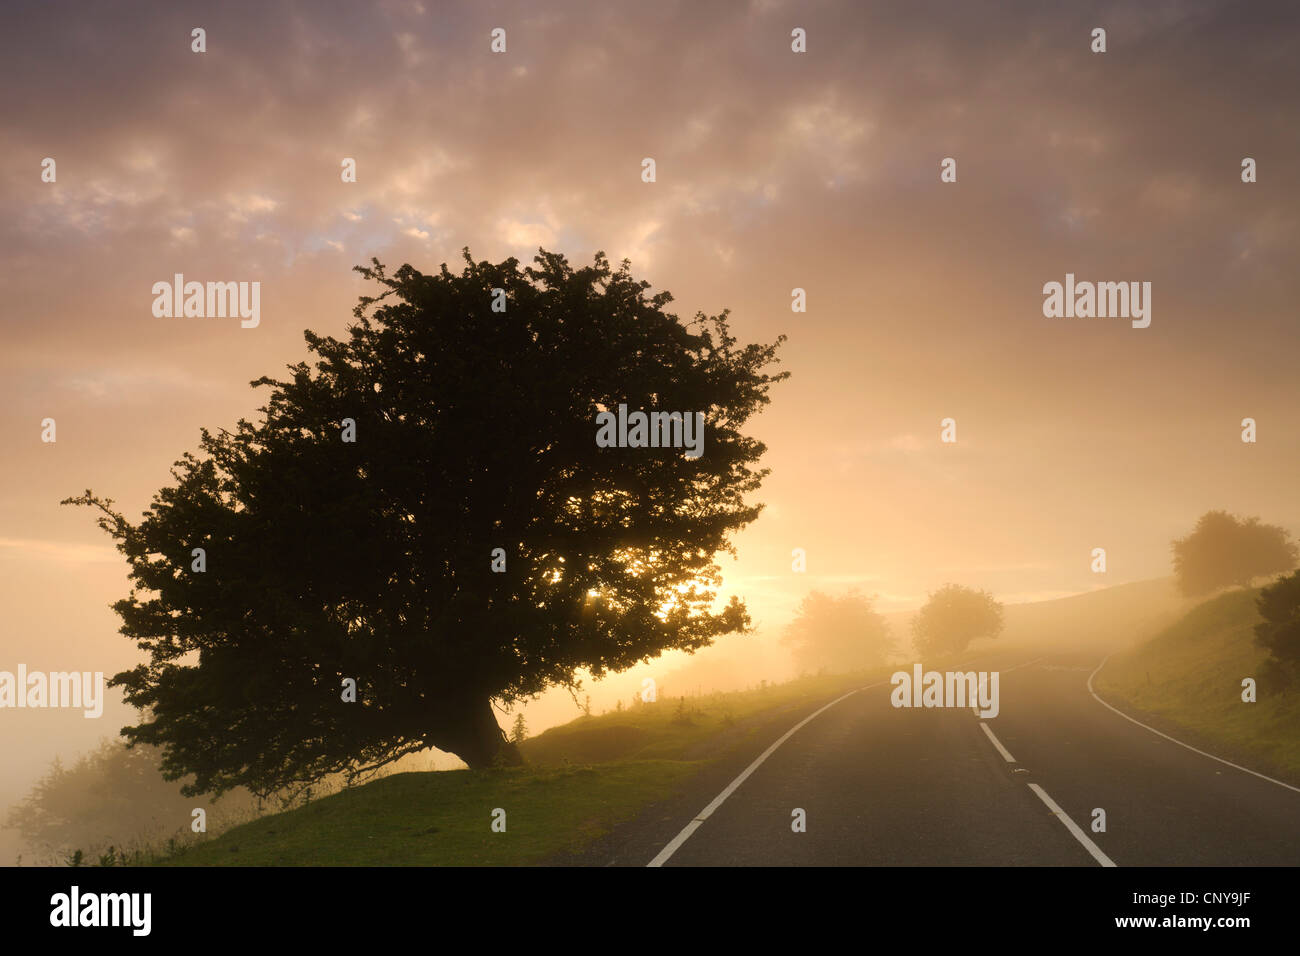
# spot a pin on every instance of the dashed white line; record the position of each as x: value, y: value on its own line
x: 675, y: 844
x: 1073, y: 827
x: 997, y: 743
x: 1060, y: 814
x: 1229, y: 763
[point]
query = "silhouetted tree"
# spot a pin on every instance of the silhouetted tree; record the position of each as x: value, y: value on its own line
x: 1279, y: 631
x: 475, y: 429
x: 1224, y: 550
x: 519, y: 732
x: 953, y: 617
x: 838, y: 633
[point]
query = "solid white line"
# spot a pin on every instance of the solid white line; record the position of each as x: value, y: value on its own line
x: 662, y: 857
x: 1229, y: 763
x: 1073, y: 827
x: 997, y: 743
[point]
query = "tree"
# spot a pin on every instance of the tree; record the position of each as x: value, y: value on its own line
x: 472, y: 544
x: 519, y: 732
x: 1224, y: 550
x: 838, y: 633
x: 1279, y: 631
x: 952, y: 618
x: 112, y: 795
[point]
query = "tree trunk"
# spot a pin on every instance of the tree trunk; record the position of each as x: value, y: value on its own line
x: 471, y: 732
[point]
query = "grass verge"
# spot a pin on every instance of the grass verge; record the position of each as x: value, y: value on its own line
x: 1189, y: 677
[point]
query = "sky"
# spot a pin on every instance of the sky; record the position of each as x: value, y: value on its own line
x: 775, y: 170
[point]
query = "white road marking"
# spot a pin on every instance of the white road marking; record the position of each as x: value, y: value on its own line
x: 997, y: 743
x: 1073, y: 827
x: 1025, y: 664
x: 1229, y: 763
x: 662, y: 857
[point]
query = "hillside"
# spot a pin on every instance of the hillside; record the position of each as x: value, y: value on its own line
x: 582, y: 778
x: 1187, y: 681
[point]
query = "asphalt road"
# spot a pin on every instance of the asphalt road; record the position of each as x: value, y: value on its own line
x: 885, y: 786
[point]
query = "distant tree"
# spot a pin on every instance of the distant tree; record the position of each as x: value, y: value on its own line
x: 842, y: 634
x: 369, y: 552
x: 1279, y: 631
x: 952, y: 618
x: 112, y: 795
x: 1224, y: 550
x: 519, y: 732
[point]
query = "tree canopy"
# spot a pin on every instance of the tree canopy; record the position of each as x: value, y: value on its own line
x: 374, y: 559
x: 1224, y: 550
x: 953, y: 617
x: 1279, y: 630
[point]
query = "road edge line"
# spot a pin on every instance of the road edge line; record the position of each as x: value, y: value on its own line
x: 1229, y: 763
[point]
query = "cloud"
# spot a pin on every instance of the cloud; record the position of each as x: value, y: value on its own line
x: 529, y: 235
x: 242, y: 207
x: 62, y: 552
x: 134, y: 384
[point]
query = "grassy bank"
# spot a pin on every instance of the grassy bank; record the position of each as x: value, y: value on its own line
x: 445, y: 818
x: 582, y: 778
x: 1188, y: 678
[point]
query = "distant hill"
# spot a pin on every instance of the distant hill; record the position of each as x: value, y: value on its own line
x: 1119, y: 614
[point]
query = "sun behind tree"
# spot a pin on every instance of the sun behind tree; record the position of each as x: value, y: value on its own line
x: 426, y: 512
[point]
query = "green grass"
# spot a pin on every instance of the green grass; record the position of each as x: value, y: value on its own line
x: 1189, y: 676
x: 582, y: 779
x: 441, y: 818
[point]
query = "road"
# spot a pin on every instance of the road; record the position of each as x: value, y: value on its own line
x: 885, y: 786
